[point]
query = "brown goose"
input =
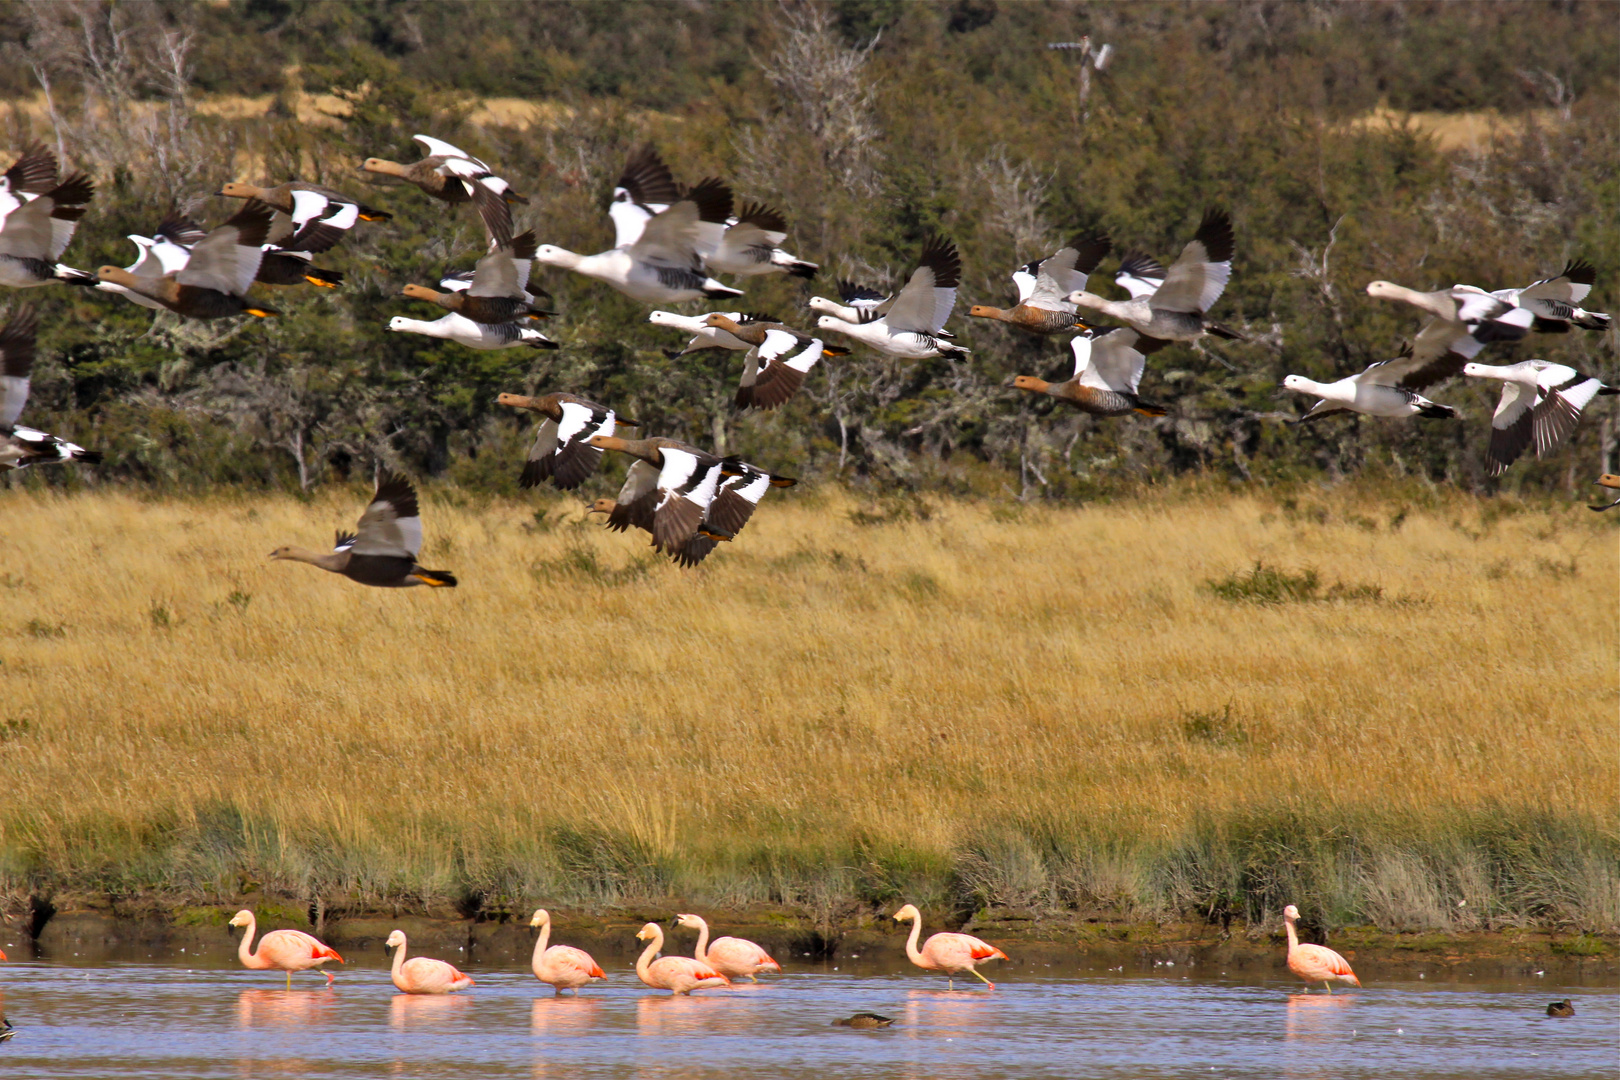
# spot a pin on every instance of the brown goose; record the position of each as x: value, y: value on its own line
x: 1172, y: 305
x: 280, y: 198
x: 1044, y: 284
x: 666, y: 492
x: 1563, y: 1008
x: 315, y: 225
x: 498, y: 292
x: 20, y: 446
x: 382, y: 549
x: 562, y: 452
x: 864, y: 1021
x: 1612, y: 482
x: 770, y: 376
x: 453, y: 176
x: 1107, y: 370
x: 741, y: 487
x: 215, y: 280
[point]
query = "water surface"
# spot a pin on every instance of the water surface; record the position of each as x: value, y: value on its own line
x: 168, y: 1020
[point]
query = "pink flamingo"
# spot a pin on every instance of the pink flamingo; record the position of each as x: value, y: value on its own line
x: 563, y: 966
x: 732, y: 957
x: 678, y: 974
x: 419, y: 975
x: 950, y: 953
x: 284, y: 950
x: 1315, y: 963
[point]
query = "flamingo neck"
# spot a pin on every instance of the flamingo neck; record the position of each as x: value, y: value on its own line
x: 540, y: 945
x: 702, y: 950
x: 244, y: 951
x: 1293, y: 936
x: 644, y: 961
x: 399, y: 963
x: 912, y: 952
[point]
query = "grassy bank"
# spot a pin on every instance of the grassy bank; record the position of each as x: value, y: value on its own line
x: 1392, y: 707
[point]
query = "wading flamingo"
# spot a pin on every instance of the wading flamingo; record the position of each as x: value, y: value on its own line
x: 563, y: 966
x: 950, y: 953
x: 1315, y: 963
x: 284, y: 950
x: 678, y: 974
x: 419, y: 975
x: 730, y: 956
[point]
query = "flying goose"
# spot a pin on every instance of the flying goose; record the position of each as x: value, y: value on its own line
x: 859, y: 303
x: 1107, y: 369
x: 36, y: 231
x: 164, y: 252
x: 910, y: 329
x: 770, y: 377
x: 667, y: 490
x: 1540, y: 403
x: 454, y: 176
x: 497, y: 292
x: 21, y: 447
x: 474, y: 335
x: 1554, y: 301
x: 1612, y: 482
x: 30, y: 176
x: 1045, y: 284
x: 752, y: 244
x: 382, y: 549
x: 656, y: 257
x: 215, y: 280
x: 705, y: 336
x: 1490, y: 318
x: 741, y: 488
x: 281, y: 199
x: 315, y: 225
x: 562, y: 452
x: 1385, y: 388
x: 1174, y: 311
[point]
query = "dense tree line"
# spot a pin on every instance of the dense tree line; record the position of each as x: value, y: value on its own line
x: 872, y: 123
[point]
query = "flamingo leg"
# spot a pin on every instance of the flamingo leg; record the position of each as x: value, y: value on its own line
x: 1328, y: 985
x: 289, y: 979
x: 982, y: 979
x: 328, y: 975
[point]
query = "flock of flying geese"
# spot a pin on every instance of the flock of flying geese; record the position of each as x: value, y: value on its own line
x: 670, y: 240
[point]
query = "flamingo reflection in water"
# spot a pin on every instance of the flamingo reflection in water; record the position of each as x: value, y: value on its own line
x: 426, y: 1012
x: 265, y: 1008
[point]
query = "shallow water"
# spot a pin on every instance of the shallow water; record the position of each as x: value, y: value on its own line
x: 163, y: 1019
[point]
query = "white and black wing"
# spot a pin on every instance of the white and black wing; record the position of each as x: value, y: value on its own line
x: 645, y: 188
x: 1139, y: 274
x: 1565, y: 392
x: 1512, y: 426
x: 227, y: 259
x: 1116, y: 359
x: 928, y: 297
x: 686, y: 485
x: 1197, y: 279
x: 318, y: 223
x: 637, y: 497
x: 1064, y: 272
x: 391, y: 525
x: 16, y: 363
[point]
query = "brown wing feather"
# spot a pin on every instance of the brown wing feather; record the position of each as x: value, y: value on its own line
x: 730, y: 512
x: 776, y: 384
x: 675, y: 523
x: 17, y: 343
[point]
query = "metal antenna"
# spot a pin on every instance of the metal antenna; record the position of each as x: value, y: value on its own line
x: 1091, y: 59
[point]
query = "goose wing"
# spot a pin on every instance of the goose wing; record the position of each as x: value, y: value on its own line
x: 1113, y: 359
x: 755, y: 233
x: 498, y: 273
x: 1512, y: 426
x: 1564, y: 393
x: 16, y: 363
x: 34, y: 173
x: 176, y: 235
x: 42, y: 227
x: 927, y: 299
x: 645, y: 188
x: 1064, y: 272
x: 391, y: 524
x: 1197, y: 279
x: 318, y: 223
x: 1139, y: 274
x: 1570, y: 287
x: 672, y: 237
x: 780, y: 375
x: 637, y: 497
x: 438, y: 148
x: 227, y: 259
x: 576, y: 459
x: 864, y: 298
x: 686, y: 485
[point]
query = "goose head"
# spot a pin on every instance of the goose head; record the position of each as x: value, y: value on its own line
x: 1608, y: 480
x: 601, y: 506
x: 1299, y: 384
x: 552, y: 255
x: 1032, y: 384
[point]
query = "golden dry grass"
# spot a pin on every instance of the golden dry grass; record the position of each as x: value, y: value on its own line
x: 819, y: 692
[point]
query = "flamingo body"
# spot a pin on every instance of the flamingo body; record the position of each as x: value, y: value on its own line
x: 421, y: 975
x: 561, y: 966
x: 1315, y: 963
x: 735, y: 958
x: 282, y: 950
x: 677, y: 974
x: 950, y: 953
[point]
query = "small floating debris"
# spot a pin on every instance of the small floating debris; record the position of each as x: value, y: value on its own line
x: 864, y: 1020
x: 1557, y: 1008
x: 6, y: 1030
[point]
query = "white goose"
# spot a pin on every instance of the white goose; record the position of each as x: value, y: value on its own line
x: 705, y: 336
x: 911, y: 328
x: 1489, y: 317
x: 35, y: 232
x: 656, y: 257
x: 1555, y: 301
x: 1541, y: 403
x: 752, y: 244
x: 474, y: 335
x: 860, y: 303
x: 21, y: 447
x: 1386, y: 388
x: 1171, y: 306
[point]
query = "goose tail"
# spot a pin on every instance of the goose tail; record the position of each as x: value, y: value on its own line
x: 439, y: 579
x: 1430, y: 411
x: 326, y: 279
x: 716, y: 291
x: 1217, y: 330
